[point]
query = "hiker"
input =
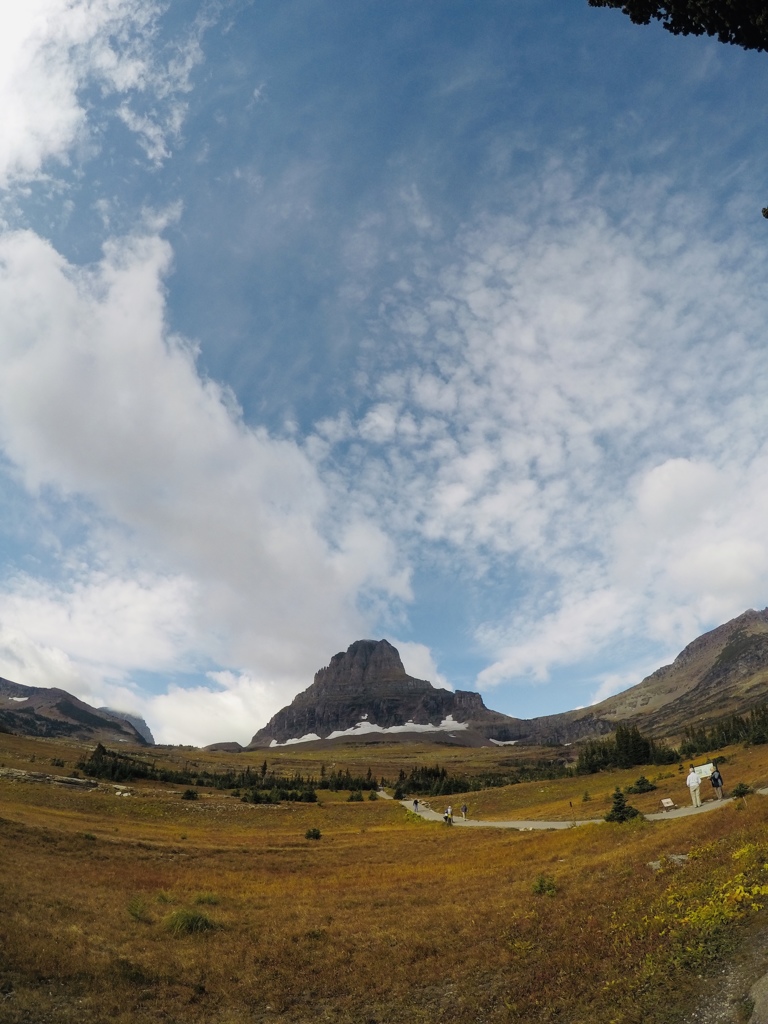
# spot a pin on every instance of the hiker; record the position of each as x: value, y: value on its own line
x: 464, y: 811
x: 448, y: 816
x: 415, y: 806
x: 693, y: 782
x: 717, y: 783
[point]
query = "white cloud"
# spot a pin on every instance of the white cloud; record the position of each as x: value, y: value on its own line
x: 586, y: 404
x: 576, y: 630
x: 233, y: 710
x: 237, y: 556
x: 109, y: 623
x: 50, y: 50
x: 419, y: 662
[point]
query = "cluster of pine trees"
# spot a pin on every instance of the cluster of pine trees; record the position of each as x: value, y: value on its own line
x: 260, y: 785
x: 336, y: 780
x: 626, y: 748
x: 436, y: 781
x: 750, y: 728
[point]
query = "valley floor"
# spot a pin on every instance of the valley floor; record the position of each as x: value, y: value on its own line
x: 154, y: 909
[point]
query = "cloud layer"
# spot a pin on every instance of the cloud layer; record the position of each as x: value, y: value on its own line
x: 578, y: 400
x: 228, y: 528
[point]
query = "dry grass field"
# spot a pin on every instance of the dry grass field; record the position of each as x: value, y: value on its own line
x: 154, y: 909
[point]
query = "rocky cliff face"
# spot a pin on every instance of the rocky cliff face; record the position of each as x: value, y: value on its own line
x: 366, y: 689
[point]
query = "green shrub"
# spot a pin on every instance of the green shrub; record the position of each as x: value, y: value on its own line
x: 642, y: 785
x: 544, y: 886
x: 313, y: 833
x: 188, y: 922
x: 190, y: 794
x: 741, y: 789
x: 586, y: 798
x: 356, y: 797
x: 373, y: 795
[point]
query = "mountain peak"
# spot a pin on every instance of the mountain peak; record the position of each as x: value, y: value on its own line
x: 364, y: 664
x: 366, y: 689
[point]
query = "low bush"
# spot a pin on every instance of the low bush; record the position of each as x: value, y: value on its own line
x: 313, y: 833
x: 741, y: 789
x: 642, y: 785
x: 356, y: 797
x: 544, y: 886
x: 190, y: 794
x: 188, y: 922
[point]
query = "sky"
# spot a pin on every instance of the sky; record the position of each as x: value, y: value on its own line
x: 320, y: 321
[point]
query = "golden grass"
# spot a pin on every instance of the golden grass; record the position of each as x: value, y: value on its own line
x: 386, y: 918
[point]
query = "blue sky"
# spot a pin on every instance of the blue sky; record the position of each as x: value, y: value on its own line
x: 436, y: 322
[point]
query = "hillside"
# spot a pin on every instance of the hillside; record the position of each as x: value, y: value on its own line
x: 43, y: 711
x: 722, y: 672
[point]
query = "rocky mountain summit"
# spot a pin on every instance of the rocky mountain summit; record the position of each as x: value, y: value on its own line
x: 365, y: 690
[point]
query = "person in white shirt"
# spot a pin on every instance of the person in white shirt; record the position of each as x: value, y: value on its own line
x: 693, y: 782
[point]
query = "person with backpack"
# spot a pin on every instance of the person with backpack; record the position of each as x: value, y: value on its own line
x: 717, y: 783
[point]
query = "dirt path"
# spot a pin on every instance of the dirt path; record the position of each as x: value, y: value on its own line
x: 426, y: 812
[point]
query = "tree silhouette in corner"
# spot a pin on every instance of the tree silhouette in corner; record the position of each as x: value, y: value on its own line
x: 741, y: 22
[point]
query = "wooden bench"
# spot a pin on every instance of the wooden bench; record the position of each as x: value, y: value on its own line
x: 667, y: 804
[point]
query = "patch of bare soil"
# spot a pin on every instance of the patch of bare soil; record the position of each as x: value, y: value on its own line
x: 727, y: 998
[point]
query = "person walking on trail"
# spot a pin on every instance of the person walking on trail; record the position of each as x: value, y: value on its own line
x: 464, y: 811
x: 415, y: 806
x: 693, y: 782
x: 448, y: 816
x: 717, y: 783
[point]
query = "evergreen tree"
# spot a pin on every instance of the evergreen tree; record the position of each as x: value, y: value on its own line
x: 621, y: 810
x: 741, y: 22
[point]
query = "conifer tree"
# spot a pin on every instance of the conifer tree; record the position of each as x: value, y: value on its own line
x: 621, y: 810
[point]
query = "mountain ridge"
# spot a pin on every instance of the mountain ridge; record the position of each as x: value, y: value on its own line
x: 723, y: 671
x: 50, y: 711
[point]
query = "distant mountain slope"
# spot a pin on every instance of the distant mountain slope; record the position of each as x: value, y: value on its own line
x: 40, y: 711
x: 138, y: 724
x: 366, y: 691
x: 720, y: 673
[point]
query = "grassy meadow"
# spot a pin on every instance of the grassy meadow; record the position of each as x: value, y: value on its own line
x: 150, y: 908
